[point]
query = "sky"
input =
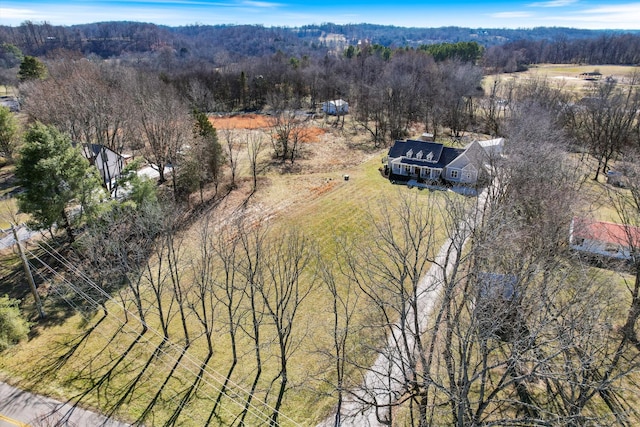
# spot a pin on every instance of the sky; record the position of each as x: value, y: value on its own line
x: 586, y: 14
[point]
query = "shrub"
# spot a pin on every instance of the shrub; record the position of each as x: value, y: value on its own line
x: 13, y: 327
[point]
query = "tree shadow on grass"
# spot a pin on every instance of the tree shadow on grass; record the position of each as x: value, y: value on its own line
x: 100, y: 383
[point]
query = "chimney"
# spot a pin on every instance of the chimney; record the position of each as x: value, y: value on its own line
x: 426, y: 137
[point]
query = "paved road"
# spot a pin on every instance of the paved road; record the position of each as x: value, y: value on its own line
x: 20, y: 408
x: 7, y: 240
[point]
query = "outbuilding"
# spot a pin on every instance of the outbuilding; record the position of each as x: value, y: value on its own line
x: 336, y: 107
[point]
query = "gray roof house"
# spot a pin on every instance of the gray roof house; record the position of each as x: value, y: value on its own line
x: 430, y: 161
x: 109, y: 163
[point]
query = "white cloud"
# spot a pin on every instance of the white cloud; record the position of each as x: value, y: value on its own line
x: 625, y: 16
x: 17, y: 14
x: 261, y: 4
x: 553, y: 3
x: 633, y: 8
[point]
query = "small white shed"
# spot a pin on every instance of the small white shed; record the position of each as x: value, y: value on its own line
x: 335, y: 107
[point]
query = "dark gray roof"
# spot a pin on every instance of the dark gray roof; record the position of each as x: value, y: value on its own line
x: 441, y: 155
x: 96, y: 149
x: 494, y: 285
x: 449, y: 154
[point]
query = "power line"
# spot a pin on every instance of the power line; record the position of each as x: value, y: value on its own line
x: 211, y: 373
x: 123, y: 325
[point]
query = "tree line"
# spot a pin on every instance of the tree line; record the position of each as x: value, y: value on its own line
x: 614, y: 49
x: 211, y: 43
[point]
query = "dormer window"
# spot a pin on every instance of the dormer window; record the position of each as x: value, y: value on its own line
x: 419, y: 155
x: 429, y: 156
x: 410, y: 153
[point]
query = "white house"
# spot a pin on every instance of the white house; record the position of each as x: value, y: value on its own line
x: 493, y: 147
x: 432, y: 161
x: 607, y: 239
x: 109, y: 163
x: 335, y: 107
x: 467, y: 167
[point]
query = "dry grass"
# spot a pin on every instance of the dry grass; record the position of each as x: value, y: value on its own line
x: 568, y: 76
x: 312, y: 196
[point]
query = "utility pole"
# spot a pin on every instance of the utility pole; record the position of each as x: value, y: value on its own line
x: 27, y: 271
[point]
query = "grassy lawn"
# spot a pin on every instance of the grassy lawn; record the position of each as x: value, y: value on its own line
x: 8, y: 206
x: 66, y: 355
x: 343, y: 207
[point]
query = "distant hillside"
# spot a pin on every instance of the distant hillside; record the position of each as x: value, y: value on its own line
x: 221, y: 44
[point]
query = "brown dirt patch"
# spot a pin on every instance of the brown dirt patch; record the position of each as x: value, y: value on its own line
x: 313, y: 134
x: 240, y: 121
x: 259, y: 121
x: 323, y: 188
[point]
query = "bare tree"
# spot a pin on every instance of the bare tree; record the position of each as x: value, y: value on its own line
x: 251, y: 269
x: 227, y: 288
x: 344, y: 301
x: 605, y: 120
x: 389, y: 273
x: 232, y: 152
x: 91, y: 103
x: 461, y: 85
x: 289, y: 128
x: 494, y: 107
x: 164, y: 123
x: 255, y: 145
x: 285, y: 285
x: 627, y: 206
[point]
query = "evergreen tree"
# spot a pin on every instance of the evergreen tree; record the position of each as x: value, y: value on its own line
x: 54, y: 174
x: 31, y: 68
x: 13, y: 326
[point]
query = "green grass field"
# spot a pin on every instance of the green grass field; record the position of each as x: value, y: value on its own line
x: 62, y: 361
x: 68, y: 354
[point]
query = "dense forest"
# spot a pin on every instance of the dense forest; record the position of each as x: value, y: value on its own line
x: 216, y: 43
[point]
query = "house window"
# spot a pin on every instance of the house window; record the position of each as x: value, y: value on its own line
x: 407, y: 169
x: 410, y: 153
x: 419, y: 154
x: 453, y: 174
x: 429, y: 156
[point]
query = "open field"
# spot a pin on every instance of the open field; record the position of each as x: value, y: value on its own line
x: 61, y: 360
x: 569, y: 76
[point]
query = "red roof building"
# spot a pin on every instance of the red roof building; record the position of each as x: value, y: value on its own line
x: 604, y: 238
